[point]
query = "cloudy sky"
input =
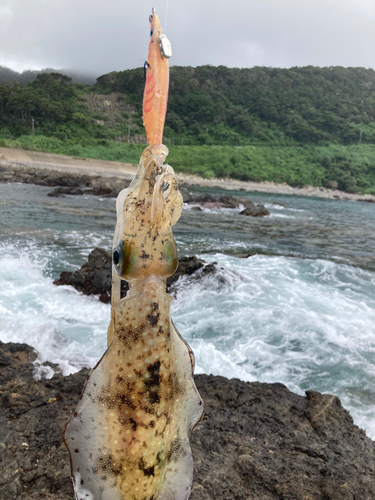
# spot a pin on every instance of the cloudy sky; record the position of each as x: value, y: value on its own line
x: 98, y: 36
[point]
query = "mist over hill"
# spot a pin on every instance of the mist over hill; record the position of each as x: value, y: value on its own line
x: 9, y: 76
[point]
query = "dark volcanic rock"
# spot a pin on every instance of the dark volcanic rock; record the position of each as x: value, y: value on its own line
x: 256, y: 442
x: 224, y: 201
x: 186, y: 266
x: 33, y: 462
x: 234, y: 202
x: 255, y: 211
x: 205, y: 198
x: 56, y: 194
x: 366, y: 200
x: 61, y: 191
x: 264, y: 442
x: 95, y: 277
x: 185, y: 194
x: 227, y: 201
x: 94, y: 184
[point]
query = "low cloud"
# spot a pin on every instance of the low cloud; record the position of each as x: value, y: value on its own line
x: 99, y: 36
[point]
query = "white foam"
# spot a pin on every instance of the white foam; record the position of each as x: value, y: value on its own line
x: 307, y: 324
x: 281, y: 216
x: 279, y: 206
x: 64, y: 326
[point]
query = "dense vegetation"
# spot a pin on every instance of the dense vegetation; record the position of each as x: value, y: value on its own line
x: 52, y: 105
x: 300, y: 125
x: 220, y: 105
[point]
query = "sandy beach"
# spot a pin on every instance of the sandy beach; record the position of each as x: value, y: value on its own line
x: 68, y: 164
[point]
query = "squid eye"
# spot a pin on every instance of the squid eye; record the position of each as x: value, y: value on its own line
x: 117, y: 257
x: 152, y: 31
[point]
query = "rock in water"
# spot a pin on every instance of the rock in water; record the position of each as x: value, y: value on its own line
x: 255, y: 211
x: 94, y: 277
x: 224, y: 201
x: 185, y: 194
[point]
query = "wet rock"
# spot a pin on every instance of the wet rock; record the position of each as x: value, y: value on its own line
x: 257, y: 441
x: 186, y: 267
x: 255, y: 211
x: 94, y: 277
x: 225, y: 201
x: 185, y: 194
x: 55, y: 194
x: 234, y: 202
x: 205, y: 198
x: 61, y: 191
x: 366, y: 200
x: 106, y: 192
x: 98, y: 185
x: 197, y: 209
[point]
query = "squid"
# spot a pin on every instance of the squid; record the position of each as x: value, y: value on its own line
x: 128, y: 438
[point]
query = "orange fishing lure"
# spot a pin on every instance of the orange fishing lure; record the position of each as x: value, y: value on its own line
x: 155, y: 96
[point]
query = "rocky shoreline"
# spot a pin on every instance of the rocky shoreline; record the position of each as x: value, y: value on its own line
x: 109, y: 187
x: 64, y: 182
x: 108, y: 178
x: 257, y: 441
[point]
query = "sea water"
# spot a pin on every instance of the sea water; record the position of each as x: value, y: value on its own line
x: 293, y: 300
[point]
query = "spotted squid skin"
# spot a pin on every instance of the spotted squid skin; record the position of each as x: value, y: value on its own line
x: 129, y: 436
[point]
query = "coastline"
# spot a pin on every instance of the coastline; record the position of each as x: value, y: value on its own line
x: 34, y: 162
x: 257, y: 440
x: 274, y: 188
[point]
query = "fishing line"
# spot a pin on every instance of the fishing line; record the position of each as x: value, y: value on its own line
x: 166, y: 16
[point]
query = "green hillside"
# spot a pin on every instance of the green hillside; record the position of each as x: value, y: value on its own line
x: 300, y: 125
x: 220, y: 105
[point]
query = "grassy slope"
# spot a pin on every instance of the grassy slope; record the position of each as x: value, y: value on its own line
x: 352, y: 166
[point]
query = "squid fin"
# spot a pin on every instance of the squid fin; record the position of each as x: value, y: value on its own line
x: 179, y: 473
